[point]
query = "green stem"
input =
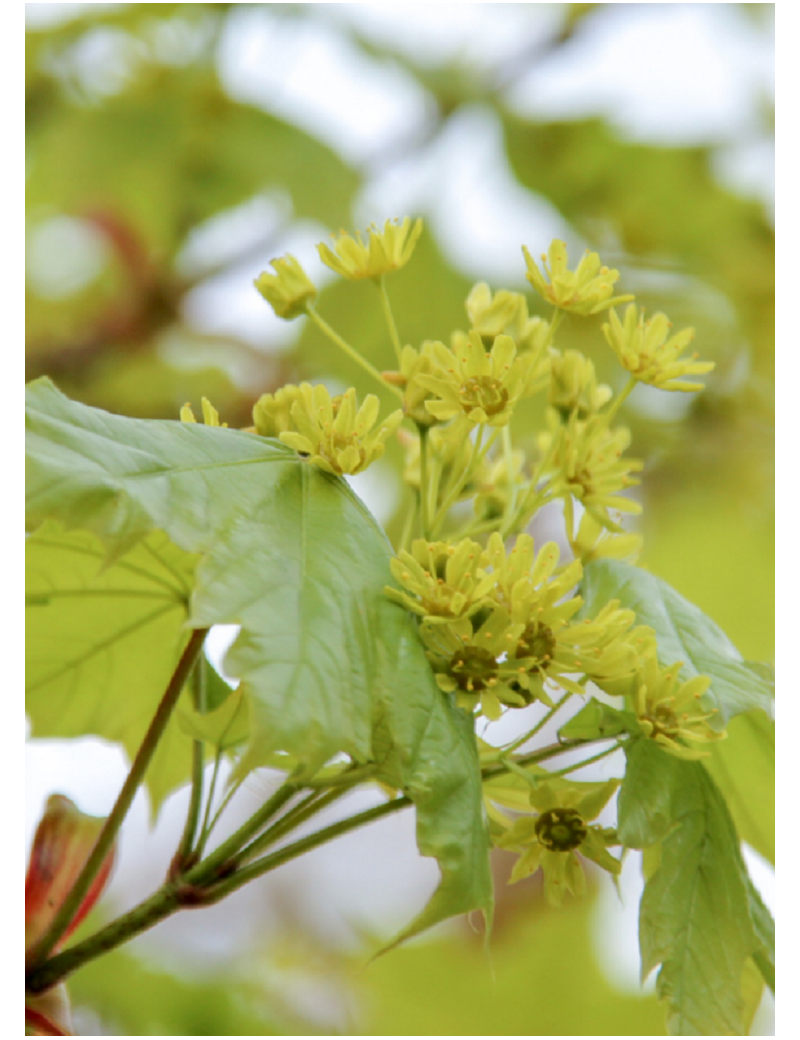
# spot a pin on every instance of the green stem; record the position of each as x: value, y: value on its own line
x: 555, y: 321
x: 208, y: 870
x: 198, y: 686
x: 477, y: 457
x: 320, y: 837
x: 229, y: 794
x: 105, y: 841
x: 424, y: 498
x: 508, y: 457
x: 615, y: 405
x: 205, y: 829
x: 297, y: 848
x: 542, y: 755
x: 177, y: 894
x: 539, y: 725
x: 193, y: 890
x: 353, y: 354
x: 569, y: 522
x: 408, y: 523
x: 534, y: 499
x: 387, y: 313
x: 586, y: 762
x: 160, y: 905
x: 301, y: 812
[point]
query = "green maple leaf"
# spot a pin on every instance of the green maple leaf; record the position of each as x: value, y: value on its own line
x: 328, y: 664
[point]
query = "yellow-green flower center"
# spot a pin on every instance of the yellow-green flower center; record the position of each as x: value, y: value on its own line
x: 561, y: 830
x: 484, y: 392
x: 537, y: 641
x: 663, y: 720
x: 473, y: 668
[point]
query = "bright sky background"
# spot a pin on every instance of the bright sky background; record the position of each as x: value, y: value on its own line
x: 676, y: 73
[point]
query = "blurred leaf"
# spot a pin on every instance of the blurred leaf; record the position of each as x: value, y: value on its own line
x: 661, y: 202
x: 293, y: 557
x: 700, y: 917
x: 684, y: 633
x: 541, y: 978
x: 710, y: 532
x: 134, y: 999
x: 173, y: 150
x: 743, y: 768
x: 102, y: 640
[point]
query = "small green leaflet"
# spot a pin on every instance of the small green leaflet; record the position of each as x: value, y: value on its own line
x: 596, y: 719
x: 684, y: 633
x: 328, y: 664
x: 700, y: 917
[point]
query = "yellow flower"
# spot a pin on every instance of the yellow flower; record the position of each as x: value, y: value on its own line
x: 554, y: 647
x: 386, y: 250
x: 585, y: 458
x: 445, y: 581
x: 505, y: 312
x: 526, y: 580
x: 586, y: 290
x: 272, y: 412
x: 289, y: 290
x: 414, y: 363
x: 558, y: 830
x: 336, y: 434
x: 670, y: 712
x: 474, y: 385
x: 573, y: 385
x: 210, y: 414
x: 650, y: 354
x: 470, y: 657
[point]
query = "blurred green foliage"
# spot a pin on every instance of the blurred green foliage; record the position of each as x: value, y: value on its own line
x: 146, y: 149
x: 540, y: 978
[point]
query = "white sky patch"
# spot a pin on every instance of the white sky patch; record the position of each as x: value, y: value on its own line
x: 218, y: 642
x: 310, y: 74
x: 378, y: 489
x: 228, y: 234
x: 230, y: 303
x: 478, y: 210
x: 477, y: 35
x: 673, y: 73
x: 63, y: 256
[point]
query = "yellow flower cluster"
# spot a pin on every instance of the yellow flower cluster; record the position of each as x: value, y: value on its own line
x: 332, y: 432
x: 670, y: 711
x: 586, y: 290
x: 499, y: 625
x: 385, y: 251
x: 584, y: 459
x: 650, y: 354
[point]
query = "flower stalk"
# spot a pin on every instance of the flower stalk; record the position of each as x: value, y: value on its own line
x: 112, y: 825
